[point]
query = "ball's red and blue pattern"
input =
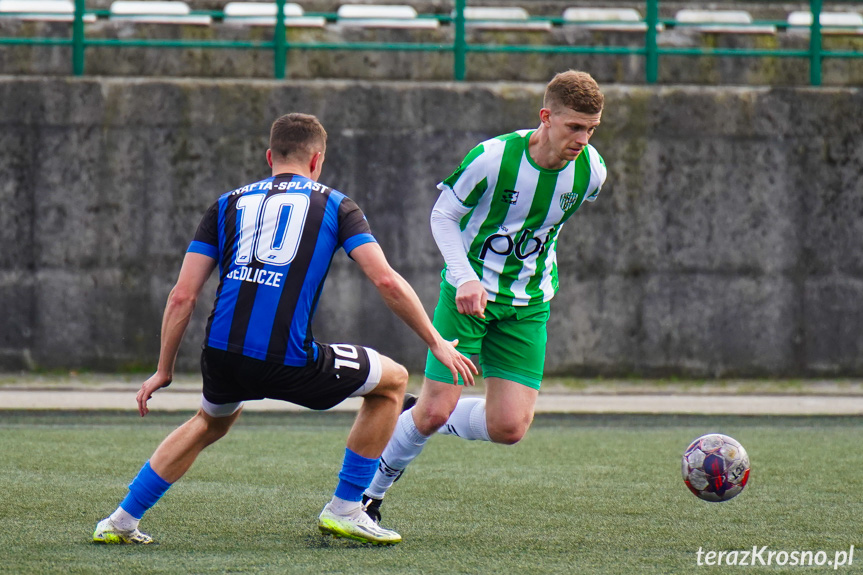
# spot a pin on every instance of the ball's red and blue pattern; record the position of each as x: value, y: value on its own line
x: 715, y: 467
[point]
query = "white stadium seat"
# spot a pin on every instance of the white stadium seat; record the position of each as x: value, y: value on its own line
x: 50, y: 10
x: 722, y: 21
x: 501, y: 18
x: 264, y: 14
x: 156, y: 12
x: 383, y: 16
x: 611, y: 19
x: 837, y: 22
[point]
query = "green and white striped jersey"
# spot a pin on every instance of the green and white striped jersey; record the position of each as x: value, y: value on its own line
x: 516, y: 211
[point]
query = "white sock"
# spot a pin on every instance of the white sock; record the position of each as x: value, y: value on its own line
x: 406, y: 443
x: 122, y: 520
x: 341, y: 506
x: 467, y: 420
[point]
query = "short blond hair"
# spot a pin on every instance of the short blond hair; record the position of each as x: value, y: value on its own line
x: 574, y: 90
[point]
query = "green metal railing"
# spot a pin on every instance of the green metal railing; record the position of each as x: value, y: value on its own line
x: 460, y: 47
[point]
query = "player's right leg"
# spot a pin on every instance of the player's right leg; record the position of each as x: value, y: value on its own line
x: 381, y: 406
x: 432, y: 409
x: 344, y: 515
x: 436, y: 402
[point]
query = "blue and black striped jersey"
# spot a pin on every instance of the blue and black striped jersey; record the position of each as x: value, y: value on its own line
x: 274, y: 241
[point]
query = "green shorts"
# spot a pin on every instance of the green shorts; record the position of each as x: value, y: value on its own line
x: 510, y: 341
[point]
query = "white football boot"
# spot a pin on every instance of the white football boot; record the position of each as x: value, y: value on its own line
x: 356, y: 525
x: 107, y: 532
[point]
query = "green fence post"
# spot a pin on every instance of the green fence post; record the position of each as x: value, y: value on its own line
x: 279, y: 47
x: 815, y: 43
x: 460, y: 48
x: 651, y: 56
x: 78, y: 39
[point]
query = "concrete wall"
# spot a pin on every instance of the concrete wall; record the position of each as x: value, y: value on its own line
x: 304, y: 64
x: 725, y: 242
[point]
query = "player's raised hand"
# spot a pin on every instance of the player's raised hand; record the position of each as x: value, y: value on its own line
x: 458, y: 364
x: 156, y: 381
x: 471, y: 299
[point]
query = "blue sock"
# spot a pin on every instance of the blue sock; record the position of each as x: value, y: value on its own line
x: 144, y: 491
x: 356, y: 475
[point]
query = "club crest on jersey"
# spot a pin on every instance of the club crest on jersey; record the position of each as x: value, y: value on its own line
x: 509, y: 197
x: 568, y: 200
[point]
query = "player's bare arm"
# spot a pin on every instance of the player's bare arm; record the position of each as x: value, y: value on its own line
x: 401, y: 298
x: 178, y: 311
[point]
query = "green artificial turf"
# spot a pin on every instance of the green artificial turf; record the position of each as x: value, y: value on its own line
x: 580, y: 494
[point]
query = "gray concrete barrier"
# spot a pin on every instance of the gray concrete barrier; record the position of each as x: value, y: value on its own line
x: 434, y: 65
x: 725, y: 242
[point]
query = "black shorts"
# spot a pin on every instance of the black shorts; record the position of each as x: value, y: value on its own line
x: 342, y: 370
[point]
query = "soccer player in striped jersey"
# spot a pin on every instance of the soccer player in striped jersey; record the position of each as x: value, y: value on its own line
x: 273, y: 241
x: 497, y: 222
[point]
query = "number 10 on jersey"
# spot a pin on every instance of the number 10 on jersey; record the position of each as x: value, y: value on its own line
x: 270, y: 227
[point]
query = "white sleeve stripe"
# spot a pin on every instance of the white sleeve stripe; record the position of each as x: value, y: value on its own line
x: 453, y: 208
x: 598, y: 173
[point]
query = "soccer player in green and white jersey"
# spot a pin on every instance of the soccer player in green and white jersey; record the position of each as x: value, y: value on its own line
x: 496, y: 223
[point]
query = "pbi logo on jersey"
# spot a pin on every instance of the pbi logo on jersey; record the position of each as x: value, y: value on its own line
x: 568, y: 200
x: 509, y: 197
x: 523, y: 247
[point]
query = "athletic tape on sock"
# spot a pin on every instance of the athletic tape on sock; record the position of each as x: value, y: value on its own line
x: 144, y: 491
x: 356, y: 475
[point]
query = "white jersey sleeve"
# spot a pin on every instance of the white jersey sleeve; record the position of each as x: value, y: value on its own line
x: 445, y: 218
x: 598, y: 172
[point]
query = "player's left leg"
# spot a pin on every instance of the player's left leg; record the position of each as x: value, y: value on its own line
x: 512, y: 359
x: 169, y: 462
x: 509, y: 409
x: 176, y: 454
x: 503, y: 416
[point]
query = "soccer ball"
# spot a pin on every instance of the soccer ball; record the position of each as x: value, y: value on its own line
x: 715, y: 467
